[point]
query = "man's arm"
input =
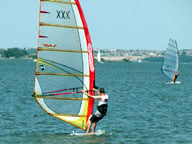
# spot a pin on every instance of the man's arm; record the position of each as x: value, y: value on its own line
x: 96, y: 91
x: 94, y: 97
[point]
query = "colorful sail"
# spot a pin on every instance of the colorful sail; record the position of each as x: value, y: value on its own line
x: 65, y: 62
x: 170, y: 65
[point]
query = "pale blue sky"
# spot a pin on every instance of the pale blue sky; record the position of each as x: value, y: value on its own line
x: 125, y: 24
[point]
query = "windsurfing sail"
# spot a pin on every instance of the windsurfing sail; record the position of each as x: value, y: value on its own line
x: 65, y: 62
x: 170, y: 65
x: 99, y: 56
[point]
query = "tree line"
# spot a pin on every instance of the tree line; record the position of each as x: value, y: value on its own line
x: 14, y: 52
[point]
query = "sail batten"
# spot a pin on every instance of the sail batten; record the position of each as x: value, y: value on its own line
x: 69, y: 115
x: 171, y: 55
x: 168, y: 70
x: 61, y: 98
x: 62, y: 26
x: 59, y: 1
x: 62, y: 74
x: 61, y: 50
x: 64, y: 63
x: 172, y: 46
x: 170, y: 65
x: 171, y: 49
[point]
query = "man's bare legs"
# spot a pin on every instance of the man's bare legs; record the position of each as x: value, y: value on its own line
x: 93, y: 129
x: 89, y: 123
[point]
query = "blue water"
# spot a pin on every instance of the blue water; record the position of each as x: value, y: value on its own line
x: 142, y: 108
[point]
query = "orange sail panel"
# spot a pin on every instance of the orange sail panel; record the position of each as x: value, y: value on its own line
x: 65, y: 63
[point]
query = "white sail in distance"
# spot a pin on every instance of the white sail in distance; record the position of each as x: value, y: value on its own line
x: 99, y: 56
x: 170, y: 65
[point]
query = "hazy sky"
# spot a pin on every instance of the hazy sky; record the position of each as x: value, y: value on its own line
x: 125, y: 24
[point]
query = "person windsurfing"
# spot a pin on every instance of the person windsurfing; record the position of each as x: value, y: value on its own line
x: 176, y: 74
x: 101, y: 109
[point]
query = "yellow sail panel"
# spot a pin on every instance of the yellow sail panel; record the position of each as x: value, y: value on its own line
x: 63, y: 62
x: 80, y: 121
x: 76, y: 120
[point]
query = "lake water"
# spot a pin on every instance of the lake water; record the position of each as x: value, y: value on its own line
x: 142, y: 108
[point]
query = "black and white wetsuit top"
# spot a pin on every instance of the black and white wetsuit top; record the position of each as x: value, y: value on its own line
x: 102, y: 105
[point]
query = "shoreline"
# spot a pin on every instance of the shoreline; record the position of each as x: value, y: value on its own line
x: 17, y: 59
x: 123, y: 58
x: 103, y: 59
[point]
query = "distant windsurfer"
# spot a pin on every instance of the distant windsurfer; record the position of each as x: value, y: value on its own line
x: 176, y: 74
x: 101, y: 109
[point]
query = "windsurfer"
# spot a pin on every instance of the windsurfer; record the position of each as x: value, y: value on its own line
x: 176, y: 74
x: 101, y: 109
